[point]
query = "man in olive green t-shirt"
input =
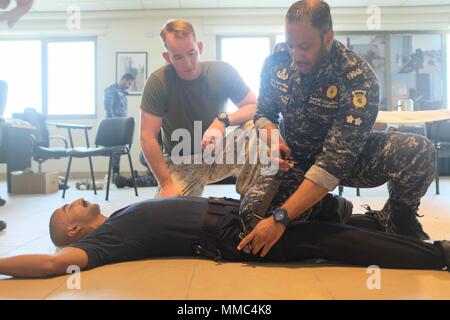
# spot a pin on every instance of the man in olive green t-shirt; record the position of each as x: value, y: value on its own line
x: 187, y: 98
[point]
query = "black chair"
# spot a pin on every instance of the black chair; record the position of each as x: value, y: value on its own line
x: 40, y: 137
x: 341, y: 190
x: 114, y: 137
x: 439, y: 133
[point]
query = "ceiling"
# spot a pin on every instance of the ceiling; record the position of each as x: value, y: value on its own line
x: 110, y: 5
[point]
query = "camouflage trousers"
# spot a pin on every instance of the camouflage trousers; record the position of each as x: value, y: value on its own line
x: 406, y: 162
x: 193, y: 173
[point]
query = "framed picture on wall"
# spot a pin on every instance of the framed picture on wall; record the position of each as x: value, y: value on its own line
x: 136, y: 64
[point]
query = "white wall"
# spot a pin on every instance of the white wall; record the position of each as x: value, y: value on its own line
x: 139, y: 31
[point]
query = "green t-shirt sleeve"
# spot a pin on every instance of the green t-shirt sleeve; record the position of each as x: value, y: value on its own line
x: 154, y: 97
x: 236, y: 87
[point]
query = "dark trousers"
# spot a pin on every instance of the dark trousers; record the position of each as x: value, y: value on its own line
x: 406, y: 162
x: 358, y: 243
x: 115, y: 163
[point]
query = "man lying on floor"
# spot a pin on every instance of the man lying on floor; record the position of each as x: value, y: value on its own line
x: 188, y: 226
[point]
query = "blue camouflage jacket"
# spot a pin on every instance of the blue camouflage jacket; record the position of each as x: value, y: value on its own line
x: 327, y: 115
x: 116, y: 104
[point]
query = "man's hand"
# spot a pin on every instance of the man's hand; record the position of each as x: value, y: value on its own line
x: 285, y: 153
x: 169, y: 190
x: 214, y: 132
x: 266, y: 233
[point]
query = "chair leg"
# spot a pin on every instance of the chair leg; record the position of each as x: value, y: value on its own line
x: 109, y: 177
x: 132, y: 174
x: 92, y: 175
x: 67, y: 177
x: 358, y: 194
x: 341, y: 190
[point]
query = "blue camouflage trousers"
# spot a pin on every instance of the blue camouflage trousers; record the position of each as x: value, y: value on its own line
x: 406, y: 162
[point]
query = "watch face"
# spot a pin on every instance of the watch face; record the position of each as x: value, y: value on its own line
x: 279, y: 215
x: 222, y: 115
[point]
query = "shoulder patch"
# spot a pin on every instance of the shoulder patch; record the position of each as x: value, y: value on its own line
x: 354, y: 73
x: 355, y: 76
x: 359, y: 99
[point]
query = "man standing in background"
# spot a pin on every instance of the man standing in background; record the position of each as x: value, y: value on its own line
x: 116, y: 105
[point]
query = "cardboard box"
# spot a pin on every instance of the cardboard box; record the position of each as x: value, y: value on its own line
x: 34, y: 183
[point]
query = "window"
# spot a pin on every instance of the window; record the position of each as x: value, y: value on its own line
x: 417, y: 71
x: 57, y: 78
x: 247, y: 55
x: 20, y: 67
x: 372, y: 49
x: 71, y: 78
x: 280, y: 38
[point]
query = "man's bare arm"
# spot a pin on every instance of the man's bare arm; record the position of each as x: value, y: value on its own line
x: 150, y: 128
x: 246, y: 111
x: 43, y: 265
x: 304, y: 198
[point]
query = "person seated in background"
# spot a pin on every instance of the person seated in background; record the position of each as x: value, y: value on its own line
x: 116, y: 105
x: 14, y: 15
x: 190, y: 226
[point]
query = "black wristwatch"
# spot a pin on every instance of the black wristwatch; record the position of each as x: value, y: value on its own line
x: 280, y: 215
x: 224, y: 118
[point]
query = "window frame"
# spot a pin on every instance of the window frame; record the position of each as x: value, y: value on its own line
x: 250, y: 35
x: 44, y: 72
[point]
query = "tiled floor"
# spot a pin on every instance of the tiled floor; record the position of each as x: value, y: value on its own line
x: 191, y: 278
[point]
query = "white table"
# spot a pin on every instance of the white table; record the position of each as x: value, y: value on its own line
x: 412, y: 117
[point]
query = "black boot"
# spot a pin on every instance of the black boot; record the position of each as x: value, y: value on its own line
x: 332, y: 208
x: 444, y: 245
x: 2, y: 202
x: 2, y: 225
x: 399, y: 219
x: 122, y: 182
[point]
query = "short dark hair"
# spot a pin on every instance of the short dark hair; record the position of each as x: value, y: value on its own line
x: 128, y: 76
x: 316, y: 11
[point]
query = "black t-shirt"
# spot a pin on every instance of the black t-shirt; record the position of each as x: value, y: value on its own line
x: 163, y: 227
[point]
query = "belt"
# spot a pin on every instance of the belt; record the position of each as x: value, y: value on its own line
x: 217, y: 208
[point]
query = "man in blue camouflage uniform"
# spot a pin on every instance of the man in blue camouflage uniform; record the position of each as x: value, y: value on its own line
x: 116, y: 105
x: 328, y: 97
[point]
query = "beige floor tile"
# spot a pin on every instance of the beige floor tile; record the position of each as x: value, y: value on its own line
x: 256, y: 281
x: 35, y: 289
x: 150, y: 279
x: 354, y: 283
